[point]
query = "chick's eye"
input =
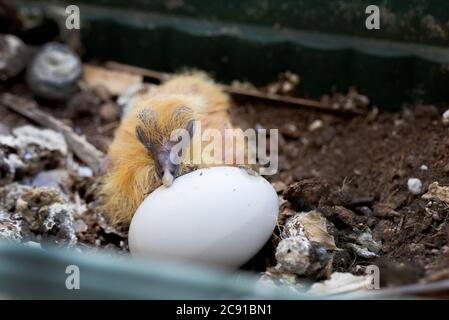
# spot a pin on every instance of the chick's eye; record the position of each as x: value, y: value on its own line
x: 144, y: 139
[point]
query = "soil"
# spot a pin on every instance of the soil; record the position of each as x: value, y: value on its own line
x: 360, y: 163
x: 366, y: 160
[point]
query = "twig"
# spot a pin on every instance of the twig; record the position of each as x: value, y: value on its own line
x: 162, y: 76
x: 79, y: 146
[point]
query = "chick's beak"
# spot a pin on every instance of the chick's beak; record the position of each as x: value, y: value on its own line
x: 167, y: 178
x: 166, y: 169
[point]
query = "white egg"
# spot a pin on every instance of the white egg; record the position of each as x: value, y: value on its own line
x: 220, y: 216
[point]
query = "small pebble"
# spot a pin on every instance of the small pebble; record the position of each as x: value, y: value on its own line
x: 414, y: 186
x: 424, y: 167
x: 13, y: 56
x: 84, y: 171
x: 315, y: 125
x: 54, y: 72
x: 287, y: 87
x: 446, y: 117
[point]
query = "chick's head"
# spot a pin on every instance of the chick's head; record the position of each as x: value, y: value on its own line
x: 165, y: 129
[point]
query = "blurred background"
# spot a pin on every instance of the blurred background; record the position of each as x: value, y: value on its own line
x: 326, y: 42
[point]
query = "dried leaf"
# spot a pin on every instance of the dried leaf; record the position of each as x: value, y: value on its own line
x: 436, y: 191
x: 315, y: 229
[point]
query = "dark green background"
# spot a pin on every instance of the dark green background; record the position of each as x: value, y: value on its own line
x: 325, y: 42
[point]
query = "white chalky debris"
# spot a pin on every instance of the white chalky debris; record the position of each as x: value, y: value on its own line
x: 303, y: 250
x: 9, y: 228
x: 28, y: 135
x: 293, y: 254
